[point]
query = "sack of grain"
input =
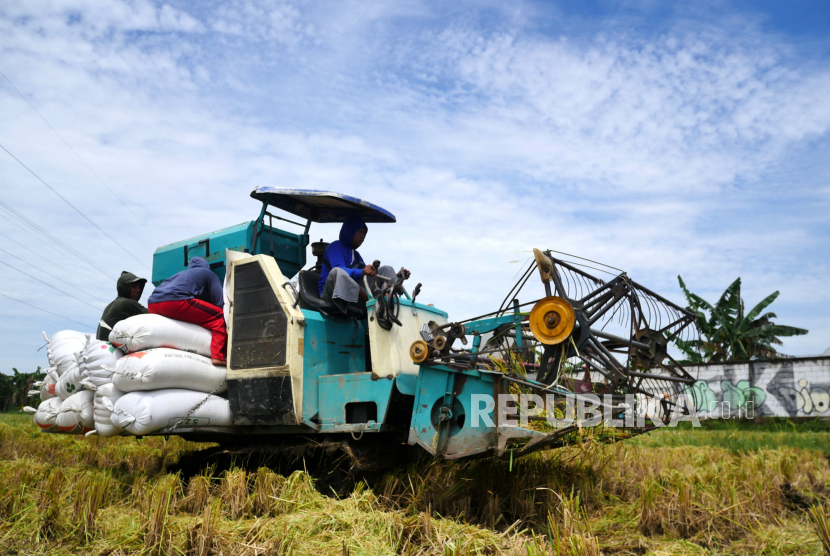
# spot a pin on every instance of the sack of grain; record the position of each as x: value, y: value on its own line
x: 104, y: 402
x: 162, y: 368
x: 63, y: 349
x: 69, y: 383
x: 64, y: 340
x: 154, y: 331
x: 45, y: 387
x: 92, y: 380
x: 145, y: 412
x: 97, y: 354
x: 76, y: 413
x: 96, y: 364
x: 46, y: 413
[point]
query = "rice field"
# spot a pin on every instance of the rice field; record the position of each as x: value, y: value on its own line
x: 673, y: 492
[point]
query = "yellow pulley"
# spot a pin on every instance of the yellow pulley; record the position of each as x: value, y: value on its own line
x: 419, y: 351
x: 552, y: 320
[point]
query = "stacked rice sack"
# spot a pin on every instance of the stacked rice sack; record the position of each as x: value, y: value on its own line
x: 76, y: 366
x: 165, y: 373
x: 150, y: 375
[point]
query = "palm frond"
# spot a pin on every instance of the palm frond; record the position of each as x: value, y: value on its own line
x: 761, y: 306
x: 728, y: 333
x: 775, y: 330
x: 730, y: 300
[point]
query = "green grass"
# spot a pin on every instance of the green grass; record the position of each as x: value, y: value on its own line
x: 721, y: 491
x: 742, y: 436
x: 765, y: 425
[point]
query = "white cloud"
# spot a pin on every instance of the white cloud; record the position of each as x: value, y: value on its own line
x: 685, y: 112
x: 269, y: 21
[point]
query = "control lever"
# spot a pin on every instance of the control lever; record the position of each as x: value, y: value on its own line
x: 376, y: 264
x: 415, y: 293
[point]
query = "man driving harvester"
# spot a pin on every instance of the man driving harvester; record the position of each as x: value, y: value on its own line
x: 342, y: 275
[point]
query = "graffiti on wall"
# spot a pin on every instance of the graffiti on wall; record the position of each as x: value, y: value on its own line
x: 806, y: 399
x: 738, y: 396
x: 784, y: 388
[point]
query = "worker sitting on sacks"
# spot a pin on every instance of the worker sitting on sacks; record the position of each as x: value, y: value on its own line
x: 195, y: 295
x: 126, y: 305
x: 341, y: 279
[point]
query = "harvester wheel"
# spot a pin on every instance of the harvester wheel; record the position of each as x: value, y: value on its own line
x: 552, y: 320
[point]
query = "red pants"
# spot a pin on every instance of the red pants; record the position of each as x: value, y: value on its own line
x: 198, y: 312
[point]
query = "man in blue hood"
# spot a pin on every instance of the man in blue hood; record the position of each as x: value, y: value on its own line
x: 341, y: 279
x: 194, y: 295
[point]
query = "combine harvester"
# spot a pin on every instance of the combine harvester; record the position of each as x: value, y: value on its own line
x: 400, y: 377
x: 300, y: 372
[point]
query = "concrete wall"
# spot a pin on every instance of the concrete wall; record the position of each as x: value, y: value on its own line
x: 794, y: 388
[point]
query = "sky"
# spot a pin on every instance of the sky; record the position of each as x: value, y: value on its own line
x: 664, y: 139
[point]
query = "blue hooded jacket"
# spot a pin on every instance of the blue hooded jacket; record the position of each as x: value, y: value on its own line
x: 198, y: 282
x: 339, y: 254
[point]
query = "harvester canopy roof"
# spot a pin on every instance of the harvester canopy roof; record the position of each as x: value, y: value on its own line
x: 321, y: 206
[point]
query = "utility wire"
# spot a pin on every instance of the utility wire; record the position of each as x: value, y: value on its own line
x: 48, y: 284
x: 45, y: 311
x: 74, y: 207
x: 52, y: 275
x: 79, y: 157
x: 79, y: 275
x: 52, y: 238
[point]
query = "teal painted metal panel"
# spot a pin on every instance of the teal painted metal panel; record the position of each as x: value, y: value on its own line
x: 406, y: 384
x: 288, y: 249
x: 455, y: 438
x: 408, y: 304
x: 329, y: 348
x: 335, y: 391
x: 483, y: 326
x: 170, y: 259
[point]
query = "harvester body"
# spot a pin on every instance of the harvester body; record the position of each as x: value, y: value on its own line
x: 299, y: 369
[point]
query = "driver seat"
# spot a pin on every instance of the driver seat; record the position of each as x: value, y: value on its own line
x: 309, y: 299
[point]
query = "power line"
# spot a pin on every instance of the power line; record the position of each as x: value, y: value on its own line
x: 48, y: 284
x: 55, y: 240
x: 79, y: 157
x: 77, y: 275
x: 65, y: 200
x: 52, y: 275
x: 44, y: 310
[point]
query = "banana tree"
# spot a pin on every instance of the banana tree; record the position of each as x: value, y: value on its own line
x: 728, y: 333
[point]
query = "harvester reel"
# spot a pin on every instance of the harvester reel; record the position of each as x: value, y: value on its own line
x: 598, y: 335
x: 654, y: 357
x: 607, y: 335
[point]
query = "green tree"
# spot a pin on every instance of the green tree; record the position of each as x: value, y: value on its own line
x: 728, y: 332
x: 14, y: 389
